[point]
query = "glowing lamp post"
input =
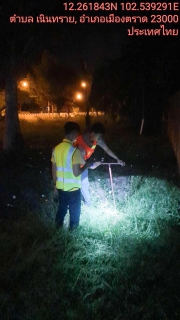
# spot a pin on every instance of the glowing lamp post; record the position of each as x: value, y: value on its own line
x: 83, y: 84
x: 25, y: 84
x: 79, y: 96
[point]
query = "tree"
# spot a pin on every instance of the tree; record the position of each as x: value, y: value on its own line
x: 21, y: 45
x: 15, y: 45
x: 53, y: 81
x: 143, y: 77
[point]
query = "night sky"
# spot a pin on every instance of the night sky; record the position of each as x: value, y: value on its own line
x: 92, y: 41
x: 94, y: 44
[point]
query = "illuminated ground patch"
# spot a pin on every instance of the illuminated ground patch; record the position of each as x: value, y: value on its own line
x: 103, y: 214
x: 145, y: 206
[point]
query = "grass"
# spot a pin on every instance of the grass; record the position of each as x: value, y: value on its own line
x: 119, y: 265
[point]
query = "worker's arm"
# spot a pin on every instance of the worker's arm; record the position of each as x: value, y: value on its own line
x: 94, y: 165
x: 79, y: 165
x: 83, y: 152
x: 54, y: 172
x: 103, y: 145
x: 54, y: 176
x: 78, y: 170
x: 53, y: 167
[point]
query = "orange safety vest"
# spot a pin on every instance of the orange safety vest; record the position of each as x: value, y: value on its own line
x: 89, y: 150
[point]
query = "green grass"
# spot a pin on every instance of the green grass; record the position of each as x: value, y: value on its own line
x: 118, y: 265
x: 125, y: 266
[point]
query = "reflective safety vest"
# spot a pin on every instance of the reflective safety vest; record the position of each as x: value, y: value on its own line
x: 65, y: 179
x: 89, y: 150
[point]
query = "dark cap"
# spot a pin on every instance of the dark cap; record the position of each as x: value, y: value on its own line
x: 71, y: 127
x: 97, y: 127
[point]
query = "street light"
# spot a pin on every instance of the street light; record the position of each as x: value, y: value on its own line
x: 83, y: 84
x: 25, y: 84
x: 79, y: 96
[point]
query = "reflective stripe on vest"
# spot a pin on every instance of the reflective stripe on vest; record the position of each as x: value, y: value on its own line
x: 62, y: 169
x: 65, y: 178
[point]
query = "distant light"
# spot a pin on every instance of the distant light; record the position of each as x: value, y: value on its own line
x: 79, y: 96
x: 24, y: 84
x: 83, y: 84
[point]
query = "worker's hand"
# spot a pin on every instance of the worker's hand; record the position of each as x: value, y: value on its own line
x: 95, y: 164
x: 122, y: 163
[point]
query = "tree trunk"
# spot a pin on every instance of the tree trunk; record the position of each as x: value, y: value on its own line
x: 12, y: 136
x: 87, y: 119
x: 87, y: 116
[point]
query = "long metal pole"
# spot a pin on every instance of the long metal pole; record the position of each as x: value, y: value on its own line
x: 111, y: 163
x: 112, y: 187
x: 110, y: 175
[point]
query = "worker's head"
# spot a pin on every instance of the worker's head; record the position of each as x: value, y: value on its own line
x: 96, y: 131
x: 72, y: 130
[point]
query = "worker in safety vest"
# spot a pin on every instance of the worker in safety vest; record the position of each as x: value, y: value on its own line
x: 66, y: 171
x: 87, y: 143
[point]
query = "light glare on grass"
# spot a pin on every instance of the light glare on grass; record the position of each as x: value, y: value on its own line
x: 148, y: 205
x: 100, y: 217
